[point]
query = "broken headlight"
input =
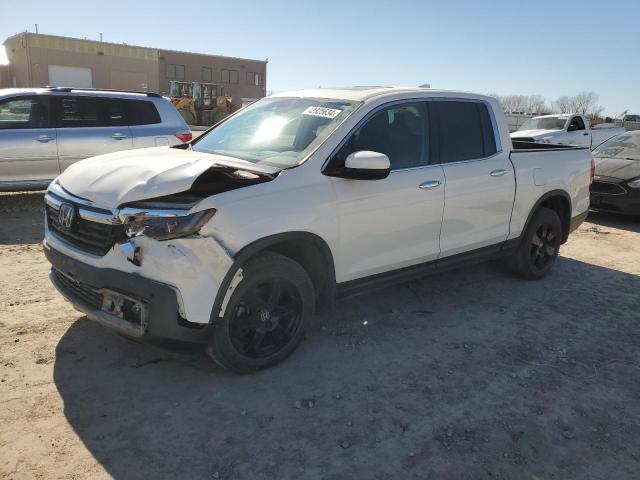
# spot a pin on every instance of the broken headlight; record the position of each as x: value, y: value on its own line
x: 165, y: 227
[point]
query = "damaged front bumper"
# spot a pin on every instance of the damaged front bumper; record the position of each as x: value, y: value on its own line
x: 127, y: 303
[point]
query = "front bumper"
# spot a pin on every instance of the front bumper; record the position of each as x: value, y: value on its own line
x: 626, y: 204
x: 156, y: 319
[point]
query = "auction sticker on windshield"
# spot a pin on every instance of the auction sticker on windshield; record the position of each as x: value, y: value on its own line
x: 322, y: 112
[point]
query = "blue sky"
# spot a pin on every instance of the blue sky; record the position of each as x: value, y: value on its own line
x: 543, y: 47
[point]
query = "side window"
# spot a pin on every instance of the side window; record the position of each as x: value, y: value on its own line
x: 114, y: 112
x: 77, y: 111
x: 24, y: 112
x: 398, y: 131
x: 576, y: 124
x: 142, y: 112
x: 463, y: 130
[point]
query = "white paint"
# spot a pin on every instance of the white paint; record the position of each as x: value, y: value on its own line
x: 370, y: 226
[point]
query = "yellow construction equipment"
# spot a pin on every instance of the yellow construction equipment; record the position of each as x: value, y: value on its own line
x: 200, y: 103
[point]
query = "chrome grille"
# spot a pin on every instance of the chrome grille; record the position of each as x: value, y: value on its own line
x: 93, y: 237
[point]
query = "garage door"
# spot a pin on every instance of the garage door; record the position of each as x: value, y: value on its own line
x: 62, y: 76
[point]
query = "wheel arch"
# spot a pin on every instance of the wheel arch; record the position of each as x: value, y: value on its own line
x: 558, y: 201
x: 308, y: 249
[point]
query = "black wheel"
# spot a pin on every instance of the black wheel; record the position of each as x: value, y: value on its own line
x: 540, y: 245
x: 266, y: 317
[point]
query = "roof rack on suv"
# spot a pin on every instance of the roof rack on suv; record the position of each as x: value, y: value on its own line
x: 69, y: 89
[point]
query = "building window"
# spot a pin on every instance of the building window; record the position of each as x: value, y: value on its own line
x: 206, y: 74
x: 175, y: 72
x: 229, y: 76
x: 255, y: 78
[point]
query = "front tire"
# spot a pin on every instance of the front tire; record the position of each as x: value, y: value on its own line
x: 266, y: 317
x: 540, y: 245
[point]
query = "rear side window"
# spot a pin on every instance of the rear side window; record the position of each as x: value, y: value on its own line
x: 463, y: 130
x: 142, y: 112
x: 24, y: 112
x: 85, y: 111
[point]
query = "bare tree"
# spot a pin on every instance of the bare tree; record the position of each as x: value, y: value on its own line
x: 585, y: 103
x: 522, y: 103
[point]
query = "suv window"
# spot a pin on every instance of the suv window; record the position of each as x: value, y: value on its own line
x: 142, y: 112
x: 398, y: 131
x: 85, y: 111
x: 24, y: 112
x: 463, y: 130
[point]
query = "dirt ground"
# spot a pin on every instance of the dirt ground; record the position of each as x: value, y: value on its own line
x: 472, y: 374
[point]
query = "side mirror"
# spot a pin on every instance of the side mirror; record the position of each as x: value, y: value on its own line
x: 366, y: 165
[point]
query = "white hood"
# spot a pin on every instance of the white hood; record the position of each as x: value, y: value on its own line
x: 128, y: 176
x: 538, y: 133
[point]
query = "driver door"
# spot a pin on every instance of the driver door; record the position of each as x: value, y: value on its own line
x: 395, y: 222
x: 577, y: 133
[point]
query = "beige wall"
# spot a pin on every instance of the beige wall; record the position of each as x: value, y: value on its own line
x: 193, y: 64
x: 112, y: 65
x: 124, y: 67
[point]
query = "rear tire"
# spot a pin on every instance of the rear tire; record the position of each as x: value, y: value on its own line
x: 540, y: 245
x: 266, y: 317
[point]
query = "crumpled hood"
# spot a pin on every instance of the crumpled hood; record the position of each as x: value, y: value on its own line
x: 539, y: 133
x: 619, y: 168
x: 116, y: 178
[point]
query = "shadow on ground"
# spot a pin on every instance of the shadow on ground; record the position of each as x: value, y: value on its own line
x: 471, y: 374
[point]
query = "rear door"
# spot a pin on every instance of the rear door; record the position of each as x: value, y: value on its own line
x: 89, y: 126
x: 480, y: 183
x: 27, y: 141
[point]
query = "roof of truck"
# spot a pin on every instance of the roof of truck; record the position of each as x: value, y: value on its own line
x: 362, y: 93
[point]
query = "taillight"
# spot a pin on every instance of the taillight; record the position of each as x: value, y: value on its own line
x: 593, y: 171
x: 184, y: 137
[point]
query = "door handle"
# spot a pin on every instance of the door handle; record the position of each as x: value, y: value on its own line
x: 429, y: 184
x: 498, y: 173
x: 118, y: 136
x: 44, y: 138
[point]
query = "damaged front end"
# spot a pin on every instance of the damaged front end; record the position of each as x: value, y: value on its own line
x: 143, y: 269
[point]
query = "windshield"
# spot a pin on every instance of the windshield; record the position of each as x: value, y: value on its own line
x: 544, y: 123
x: 626, y: 146
x: 276, y: 131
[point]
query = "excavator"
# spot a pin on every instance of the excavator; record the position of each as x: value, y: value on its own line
x: 200, y: 103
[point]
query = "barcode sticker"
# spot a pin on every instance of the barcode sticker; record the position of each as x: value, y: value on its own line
x: 322, y: 112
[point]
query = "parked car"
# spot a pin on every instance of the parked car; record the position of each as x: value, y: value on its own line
x: 237, y: 238
x: 44, y: 130
x: 616, y: 187
x: 571, y: 129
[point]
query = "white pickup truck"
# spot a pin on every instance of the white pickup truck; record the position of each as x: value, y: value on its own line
x: 236, y: 239
x: 569, y: 129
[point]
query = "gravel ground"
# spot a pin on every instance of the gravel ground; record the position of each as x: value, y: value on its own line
x: 467, y: 375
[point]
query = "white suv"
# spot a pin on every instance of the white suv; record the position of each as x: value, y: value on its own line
x: 234, y: 240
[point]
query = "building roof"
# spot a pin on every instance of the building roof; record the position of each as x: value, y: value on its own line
x: 155, y: 51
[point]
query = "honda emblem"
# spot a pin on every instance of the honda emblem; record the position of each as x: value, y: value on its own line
x: 66, y: 215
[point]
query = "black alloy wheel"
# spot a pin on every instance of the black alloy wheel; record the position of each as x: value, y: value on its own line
x: 266, y: 318
x: 544, y: 246
x: 267, y: 315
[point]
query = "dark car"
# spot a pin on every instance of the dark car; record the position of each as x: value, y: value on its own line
x: 616, y: 187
